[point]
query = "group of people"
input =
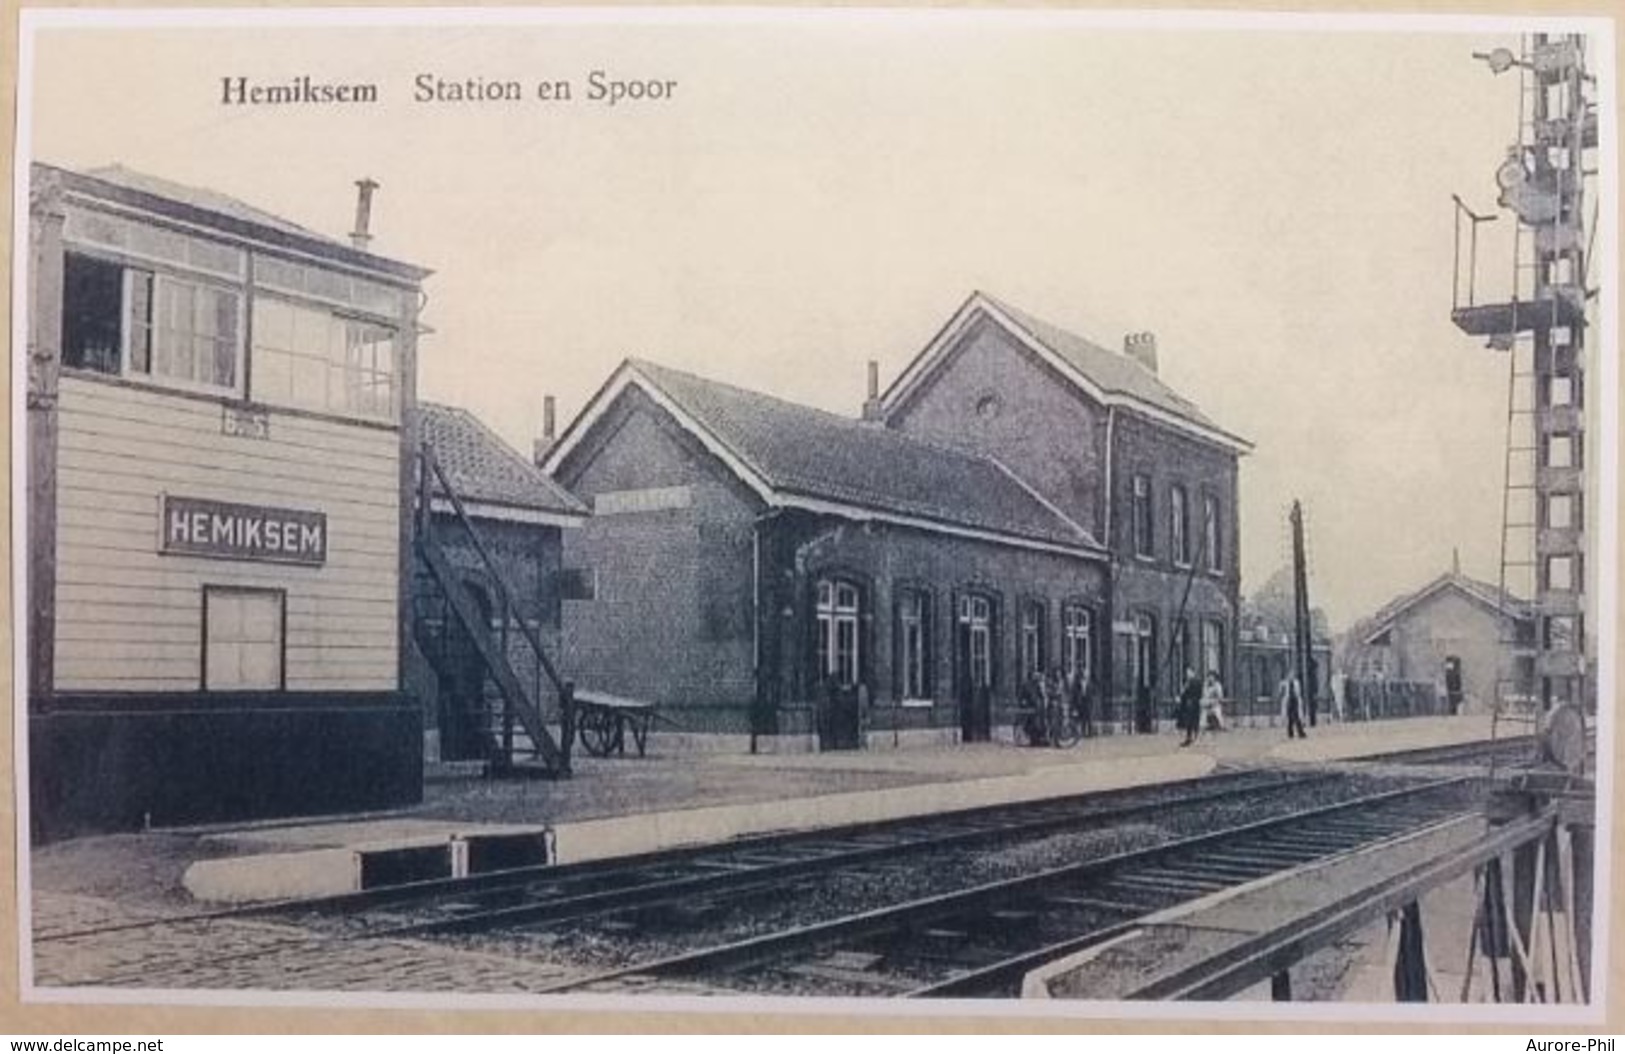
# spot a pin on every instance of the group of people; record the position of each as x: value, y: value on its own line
x: 1201, y: 705
x: 1049, y: 697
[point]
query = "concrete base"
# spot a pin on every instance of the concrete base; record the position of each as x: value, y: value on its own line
x: 340, y: 868
x: 324, y: 871
x: 911, y: 738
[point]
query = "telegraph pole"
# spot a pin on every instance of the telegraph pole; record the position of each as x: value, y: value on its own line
x: 1302, y: 631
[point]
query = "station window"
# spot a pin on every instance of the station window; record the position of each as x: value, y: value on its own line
x: 914, y: 644
x: 243, y: 634
x: 1180, y: 657
x: 1213, y: 648
x: 1077, y: 643
x: 976, y: 627
x: 1144, y: 524
x: 1180, y: 528
x: 1213, y: 535
x: 315, y: 359
x: 1032, y: 639
x: 128, y: 320
x: 1561, y: 451
x: 837, y: 613
x: 1145, y: 651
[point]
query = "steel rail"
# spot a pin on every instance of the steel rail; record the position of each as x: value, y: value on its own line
x: 756, y: 951
x: 754, y: 879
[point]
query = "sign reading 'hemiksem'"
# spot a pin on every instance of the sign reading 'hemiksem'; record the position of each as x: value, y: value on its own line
x: 218, y: 529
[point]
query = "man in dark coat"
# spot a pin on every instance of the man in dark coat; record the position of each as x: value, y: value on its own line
x: 1189, y: 717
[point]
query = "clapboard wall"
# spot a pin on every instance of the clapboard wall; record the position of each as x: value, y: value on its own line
x: 129, y: 618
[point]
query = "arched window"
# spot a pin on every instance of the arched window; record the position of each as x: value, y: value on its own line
x: 837, y: 611
x: 914, y: 644
x: 1032, y: 639
x: 976, y: 621
x: 1179, y: 509
x: 1077, y: 642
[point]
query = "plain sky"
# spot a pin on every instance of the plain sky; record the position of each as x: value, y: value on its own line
x: 1274, y: 205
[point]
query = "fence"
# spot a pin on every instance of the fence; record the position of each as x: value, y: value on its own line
x: 1378, y: 700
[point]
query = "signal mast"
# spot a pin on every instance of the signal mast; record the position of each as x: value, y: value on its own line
x: 1542, y: 327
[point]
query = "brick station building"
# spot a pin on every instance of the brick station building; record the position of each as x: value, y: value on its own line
x: 1020, y: 500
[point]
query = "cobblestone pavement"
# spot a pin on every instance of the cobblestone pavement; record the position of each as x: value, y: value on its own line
x: 254, y: 954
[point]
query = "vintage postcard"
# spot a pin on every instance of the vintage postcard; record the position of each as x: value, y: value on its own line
x: 1033, y: 513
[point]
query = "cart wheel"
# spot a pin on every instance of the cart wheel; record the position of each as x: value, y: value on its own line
x: 597, y: 732
x: 1067, y: 732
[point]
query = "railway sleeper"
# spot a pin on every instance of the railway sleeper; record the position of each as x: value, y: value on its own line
x: 1193, y: 878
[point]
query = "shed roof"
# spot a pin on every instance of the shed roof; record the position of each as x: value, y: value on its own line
x: 486, y: 471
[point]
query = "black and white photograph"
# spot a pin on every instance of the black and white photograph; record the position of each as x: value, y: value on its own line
x: 1023, y: 512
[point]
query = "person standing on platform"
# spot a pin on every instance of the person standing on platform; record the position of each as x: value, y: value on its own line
x: 1189, y: 715
x: 1292, y: 706
x: 1078, y: 696
x: 1213, y: 703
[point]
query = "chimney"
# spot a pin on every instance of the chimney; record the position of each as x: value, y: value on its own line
x: 544, y: 445
x: 1142, y: 348
x: 362, y: 235
x: 871, y: 405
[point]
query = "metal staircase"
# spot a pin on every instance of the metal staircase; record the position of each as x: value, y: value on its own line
x: 490, y: 665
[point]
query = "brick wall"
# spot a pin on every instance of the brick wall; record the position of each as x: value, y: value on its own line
x: 884, y: 560
x: 1037, y: 425
x: 671, y: 622
x: 1157, y: 584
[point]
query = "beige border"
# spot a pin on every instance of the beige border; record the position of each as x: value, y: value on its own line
x: 82, y: 1019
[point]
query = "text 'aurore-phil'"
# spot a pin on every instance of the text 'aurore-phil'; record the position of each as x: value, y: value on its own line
x: 226, y: 531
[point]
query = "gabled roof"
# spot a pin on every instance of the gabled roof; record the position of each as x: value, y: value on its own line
x: 795, y: 456
x: 1108, y: 377
x: 491, y: 478
x: 1481, y: 593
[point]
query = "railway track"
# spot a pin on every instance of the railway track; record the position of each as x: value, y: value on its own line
x: 531, y: 894
x: 1505, y: 750
x: 691, y: 885
x: 672, y: 920
x: 980, y: 942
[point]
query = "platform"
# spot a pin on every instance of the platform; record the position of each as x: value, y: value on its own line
x: 619, y: 806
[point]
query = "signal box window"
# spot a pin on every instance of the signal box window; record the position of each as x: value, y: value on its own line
x: 243, y: 639
x: 177, y: 331
x: 314, y: 359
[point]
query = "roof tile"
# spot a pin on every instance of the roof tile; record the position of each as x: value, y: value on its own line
x: 482, y: 468
x: 799, y: 450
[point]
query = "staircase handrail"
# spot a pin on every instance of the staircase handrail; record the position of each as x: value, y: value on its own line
x: 431, y: 466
